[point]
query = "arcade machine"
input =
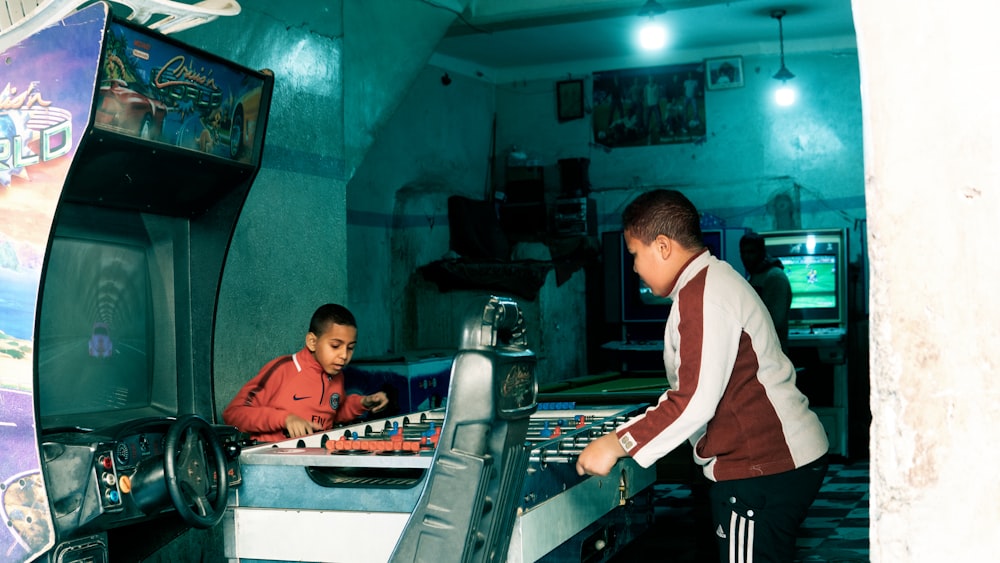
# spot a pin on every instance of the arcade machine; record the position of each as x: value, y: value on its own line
x: 491, y: 477
x: 125, y: 160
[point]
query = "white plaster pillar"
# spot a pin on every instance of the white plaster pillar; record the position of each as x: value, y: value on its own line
x: 930, y: 82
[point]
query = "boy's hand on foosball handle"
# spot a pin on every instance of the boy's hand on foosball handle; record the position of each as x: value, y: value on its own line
x: 600, y: 456
x: 376, y: 401
x: 298, y: 427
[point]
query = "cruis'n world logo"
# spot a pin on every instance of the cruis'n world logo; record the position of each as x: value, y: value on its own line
x: 32, y: 130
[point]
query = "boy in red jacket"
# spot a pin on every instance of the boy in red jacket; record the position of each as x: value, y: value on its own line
x: 293, y: 396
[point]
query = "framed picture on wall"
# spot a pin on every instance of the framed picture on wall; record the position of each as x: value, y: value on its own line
x: 569, y: 100
x: 659, y: 105
x: 723, y: 73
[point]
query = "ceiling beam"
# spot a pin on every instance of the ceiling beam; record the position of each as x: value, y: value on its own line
x: 483, y: 16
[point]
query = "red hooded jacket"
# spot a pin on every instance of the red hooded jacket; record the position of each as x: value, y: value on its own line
x: 291, y: 384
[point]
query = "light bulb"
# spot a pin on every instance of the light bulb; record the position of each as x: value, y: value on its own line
x: 652, y: 36
x: 784, y: 96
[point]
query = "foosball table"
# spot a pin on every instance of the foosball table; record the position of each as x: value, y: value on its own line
x: 489, y: 477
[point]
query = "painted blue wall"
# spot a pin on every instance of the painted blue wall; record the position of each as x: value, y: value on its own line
x: 435, y: 145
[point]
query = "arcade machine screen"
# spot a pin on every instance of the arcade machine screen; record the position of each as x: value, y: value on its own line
x: 637, y: 302
x: 815, y: 263
x: 813, y: 280
x: 96, y: 327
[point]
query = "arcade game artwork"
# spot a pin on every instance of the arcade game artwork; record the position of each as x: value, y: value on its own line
x: 44, y: 106
x: 155, y: 91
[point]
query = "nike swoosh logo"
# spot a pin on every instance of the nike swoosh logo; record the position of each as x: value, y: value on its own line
x: 297, y: 398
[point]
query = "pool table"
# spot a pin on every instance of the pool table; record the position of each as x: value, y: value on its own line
x: 608, y: 388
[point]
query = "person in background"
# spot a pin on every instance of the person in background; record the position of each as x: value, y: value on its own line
x: 767, y: 276
x: 295, y: 395
x: 731, y: 392
x: 651, y: 100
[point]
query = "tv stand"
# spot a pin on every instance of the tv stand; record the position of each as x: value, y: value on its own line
x: 634, y: 346
x: 637, y: 355
x: 820, y: 357
x: 639, y: 347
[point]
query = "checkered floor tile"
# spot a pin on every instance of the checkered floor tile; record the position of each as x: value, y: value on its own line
x: 835, y: 529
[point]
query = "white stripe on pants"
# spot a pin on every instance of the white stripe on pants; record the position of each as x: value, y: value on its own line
x: 740, y: 539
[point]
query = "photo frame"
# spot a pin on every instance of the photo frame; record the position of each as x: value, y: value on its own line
x: 723, y: 73
x: 569, y: 100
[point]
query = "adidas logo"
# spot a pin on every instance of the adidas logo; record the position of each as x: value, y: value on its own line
x: 720, y: 532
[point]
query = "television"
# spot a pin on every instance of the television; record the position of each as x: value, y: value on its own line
x: 628, y: 299
x: 815, y: 263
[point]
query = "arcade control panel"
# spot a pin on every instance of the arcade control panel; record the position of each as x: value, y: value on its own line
x: 122, y: 460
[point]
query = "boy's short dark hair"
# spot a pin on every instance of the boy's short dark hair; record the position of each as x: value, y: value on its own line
x: 328, y: 314
x: 663, y: 212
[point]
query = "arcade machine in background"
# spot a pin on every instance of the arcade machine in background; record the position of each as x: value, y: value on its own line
x: 633, y: 316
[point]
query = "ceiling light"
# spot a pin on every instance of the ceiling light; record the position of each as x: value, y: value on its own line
x: 783, y: 73
x: 785, y: 95
x: 652, y: 35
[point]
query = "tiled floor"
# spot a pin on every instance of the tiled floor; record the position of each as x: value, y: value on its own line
x: 835, y: 530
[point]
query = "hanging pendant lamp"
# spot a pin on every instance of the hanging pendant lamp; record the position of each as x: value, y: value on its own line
x: 652, y: 36
x: 651, y: 8
x: 784, y: 95
x: 783, y: 73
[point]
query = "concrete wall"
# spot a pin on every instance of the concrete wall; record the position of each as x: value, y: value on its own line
x: 436, y: 145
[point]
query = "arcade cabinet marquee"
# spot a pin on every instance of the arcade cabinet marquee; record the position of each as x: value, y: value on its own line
x: 178, y: 126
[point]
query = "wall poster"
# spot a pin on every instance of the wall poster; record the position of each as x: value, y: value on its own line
x: 649, y: 106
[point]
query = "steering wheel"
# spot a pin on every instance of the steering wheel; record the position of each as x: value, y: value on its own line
x: 189, y: 477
